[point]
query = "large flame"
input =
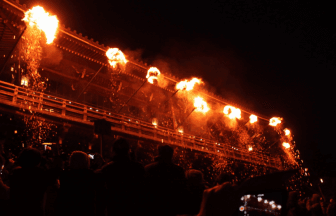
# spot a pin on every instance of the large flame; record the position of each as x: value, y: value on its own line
x: 201, y: 105
x: 188, y: 85
x: 45, y: 22
x: 115, y: 56
x: 287, y: 132
x: 253, y: 118
x: 152, y: 74
x: 232, y: 112
x: 275, y: 121
x: 286, y: 145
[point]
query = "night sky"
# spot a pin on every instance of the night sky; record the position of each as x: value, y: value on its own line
x: 274, y: 57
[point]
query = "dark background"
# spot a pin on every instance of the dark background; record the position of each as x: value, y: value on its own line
x: 274, y: 57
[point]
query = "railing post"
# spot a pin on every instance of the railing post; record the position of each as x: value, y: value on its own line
x: 40, y: 105
x: 64, y: 107
x: 85, y: 113
x: 16, y: 92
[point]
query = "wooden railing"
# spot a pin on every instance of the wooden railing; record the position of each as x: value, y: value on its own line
x: 25, y: 98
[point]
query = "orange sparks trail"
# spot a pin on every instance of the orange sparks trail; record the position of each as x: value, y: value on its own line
x: 152, y: 74
x: 115, y: 56
x: 201, y: 105
x: 286, y: 145
x: 232, y: 112
x: 45, y: 22
x: 188, y: 85
x: 253, y: 118
x: 287, y: 132
x: 275, y: 121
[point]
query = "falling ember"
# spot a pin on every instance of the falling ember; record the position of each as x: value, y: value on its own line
x: 287, y: 132
x: 232, y: 112
x: 286, y: 145
x: 152, y: 74
x: 321, y: 180
x: 253, y: 118
x: 275, y: 121
x: 115, y: 56
x: 45, y: 22
x: 201, y: 105
x: 250, y: 148
x: 188, y: 85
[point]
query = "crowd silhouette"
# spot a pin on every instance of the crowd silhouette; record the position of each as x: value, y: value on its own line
x: 31, y: 184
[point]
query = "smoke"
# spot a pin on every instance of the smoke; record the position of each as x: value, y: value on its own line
x: 133, y: 54
x: 51, y: 56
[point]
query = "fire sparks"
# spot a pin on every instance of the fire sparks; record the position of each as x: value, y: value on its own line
x: 275, y: 121
x: 321, y: 180
x: 286, y: 145
x: 188, y: 85
x: 152, y: 74
x: 45, y: 22
x: 287, y: 132
x: 115, y: 56
x: 250, y: 148
x: 253, y: 118
x: 232, y: 112
x: 201, y: 105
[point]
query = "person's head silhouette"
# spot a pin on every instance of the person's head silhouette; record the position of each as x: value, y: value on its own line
x: 79, y: 160
x: 166, y: 153
x: 29, y: 158
x: 121, y: 147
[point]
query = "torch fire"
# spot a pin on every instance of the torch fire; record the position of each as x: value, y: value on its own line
x: 43, y: 21
x: 188, y: 85
x: 287, y: 132
x: 275, y: 121
x: 201, y: 105
x: 253, y: 118
x: 286, y: 145
x: 115, y: 56
x: 152, y: 74
x: 232, y: 112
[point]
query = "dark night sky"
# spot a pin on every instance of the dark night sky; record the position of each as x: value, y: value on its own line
x: 275, y: 57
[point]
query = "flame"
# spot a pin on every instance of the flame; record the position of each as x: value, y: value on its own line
x: 115, y: 56
x: 286, y: 145
x: 45, y: 22
x: 321, y: 180
x: 180, y: 129
x: 253, y: 118
x: 154, y: 121
x: 234, y: 112
x: 152, y: 74
x: 188, y: 85
x: 201, y: 105
x: 250, y: 148
x: 275, y: 121
x: 287, y: 132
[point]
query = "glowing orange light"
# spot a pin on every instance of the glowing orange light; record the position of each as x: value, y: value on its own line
x: 188, y: 85
x: 201, y: 105
x: 286, y: 145
x: 275, y: 121
x: 115, y: 56
x: 24, y: 81
x: 287, y: 132
x: 180, y: 129
x: 253, y: 118
x: 152, y: 74
x: 321, y: 180
x: 154, y: 122
x: 45, y: 22
x: 250, y: 148
x: 232, y: 112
